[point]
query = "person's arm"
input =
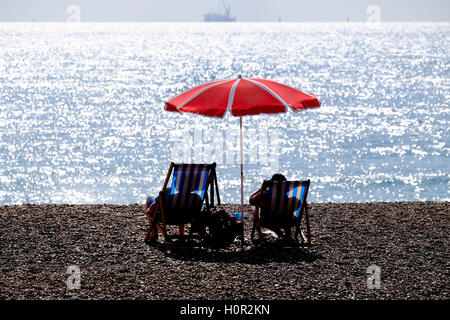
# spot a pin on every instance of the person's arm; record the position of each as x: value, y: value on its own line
x: 146, y: 203
x: 254, y: 198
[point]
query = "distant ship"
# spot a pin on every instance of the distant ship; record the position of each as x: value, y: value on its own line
x: 216, y: 17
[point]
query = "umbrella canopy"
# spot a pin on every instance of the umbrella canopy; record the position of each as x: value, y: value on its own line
x: 241, y: 97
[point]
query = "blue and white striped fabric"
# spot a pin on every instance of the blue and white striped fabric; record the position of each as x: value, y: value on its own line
x: 188, y: 181
x: 286, y: 196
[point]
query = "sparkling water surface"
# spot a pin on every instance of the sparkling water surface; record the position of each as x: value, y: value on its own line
x: 82, y: 115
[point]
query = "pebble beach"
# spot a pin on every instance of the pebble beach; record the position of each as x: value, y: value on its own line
x: 408, y: 241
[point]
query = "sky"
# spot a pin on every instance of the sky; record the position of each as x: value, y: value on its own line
x: 244, y: 10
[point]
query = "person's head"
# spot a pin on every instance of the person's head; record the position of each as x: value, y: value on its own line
x: 150, y: 200
x: 278, y: 177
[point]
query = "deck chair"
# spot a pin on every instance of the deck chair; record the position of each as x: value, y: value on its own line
x: 183, y: 201
x: 283, y: 204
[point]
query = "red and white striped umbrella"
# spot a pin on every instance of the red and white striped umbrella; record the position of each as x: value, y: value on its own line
x: 241, y: 97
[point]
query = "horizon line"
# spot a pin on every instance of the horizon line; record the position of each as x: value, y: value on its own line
x: 243, y: 21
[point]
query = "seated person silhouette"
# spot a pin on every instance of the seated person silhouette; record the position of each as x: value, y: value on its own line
x: 178, y: 210
x: 150, y: 206
x: 255, y: 198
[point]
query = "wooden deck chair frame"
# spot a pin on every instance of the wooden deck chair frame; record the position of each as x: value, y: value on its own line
x: 305, y: 240
x: 161, y: 226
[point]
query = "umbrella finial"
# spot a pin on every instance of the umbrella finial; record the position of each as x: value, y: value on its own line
x: 239, y: 76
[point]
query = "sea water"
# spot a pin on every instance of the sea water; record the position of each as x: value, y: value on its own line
x: 82, y: 115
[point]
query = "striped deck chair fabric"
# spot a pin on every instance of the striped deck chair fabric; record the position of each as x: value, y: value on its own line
x: 284, y: 199
x: 187, y: 191
x: 286, y: 196
x: 180, y: 202
x: 188, y: 179
x: 282, y: 204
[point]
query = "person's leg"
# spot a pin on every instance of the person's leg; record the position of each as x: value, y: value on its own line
x: 181, y: 231
x: 271, y: 225
x: 287, y: 233
x: 278, y: 232
x: 154, y: 232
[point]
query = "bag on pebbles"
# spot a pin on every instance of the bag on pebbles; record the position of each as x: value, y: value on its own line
x: 220, y: 228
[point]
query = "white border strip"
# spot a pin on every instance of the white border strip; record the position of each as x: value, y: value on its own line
x: 231, y: 97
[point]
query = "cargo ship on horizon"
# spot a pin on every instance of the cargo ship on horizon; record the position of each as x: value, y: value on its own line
x: 216, y: 17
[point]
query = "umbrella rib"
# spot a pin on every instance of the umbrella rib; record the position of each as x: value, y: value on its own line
x: 231, y: 96
x: 270, y: 91
x: 199, y: 93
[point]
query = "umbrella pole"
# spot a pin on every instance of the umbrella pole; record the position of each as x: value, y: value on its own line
x: 242, y: 180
